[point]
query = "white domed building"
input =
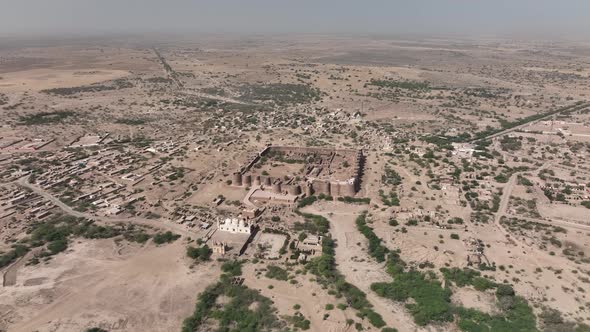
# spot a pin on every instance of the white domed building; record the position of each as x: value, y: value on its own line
x: 235, y: 226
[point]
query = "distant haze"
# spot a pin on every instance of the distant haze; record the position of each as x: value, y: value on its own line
x: 535, y: 18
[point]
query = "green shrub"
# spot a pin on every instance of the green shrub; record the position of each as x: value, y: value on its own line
x: 201, y: 254
x: 306, y: 201
x: 167, y: 237
x: 376, y: 250
x: 504, y: 290
x: 140, y: 237
x: 12, y: 255
x: 374, y: 318
x: 43, y: 118
x: 57, y: 246
x: 313, y: 224
x: 298, y: 321
x: 482, y: 284
x: 238, y: 314
x: 461, y: 277
x: 232, y: 268
x: 355, y: 200
x: 388, y: 329
x: 275, y: 272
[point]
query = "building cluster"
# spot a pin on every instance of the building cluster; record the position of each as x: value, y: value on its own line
x: 107, y: 179
x: 18, y: 200
x: 18, y: 205
x: 98, y: 180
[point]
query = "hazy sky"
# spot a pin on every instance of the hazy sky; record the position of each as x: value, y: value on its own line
x: 551, y: 18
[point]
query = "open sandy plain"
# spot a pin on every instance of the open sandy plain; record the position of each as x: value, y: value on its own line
x: 475, y: 149
x: 117, y: 287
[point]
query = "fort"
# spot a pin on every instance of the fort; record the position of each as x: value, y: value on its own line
x: 296, y: 171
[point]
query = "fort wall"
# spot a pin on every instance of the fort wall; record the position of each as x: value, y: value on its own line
x: 349, y: 185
